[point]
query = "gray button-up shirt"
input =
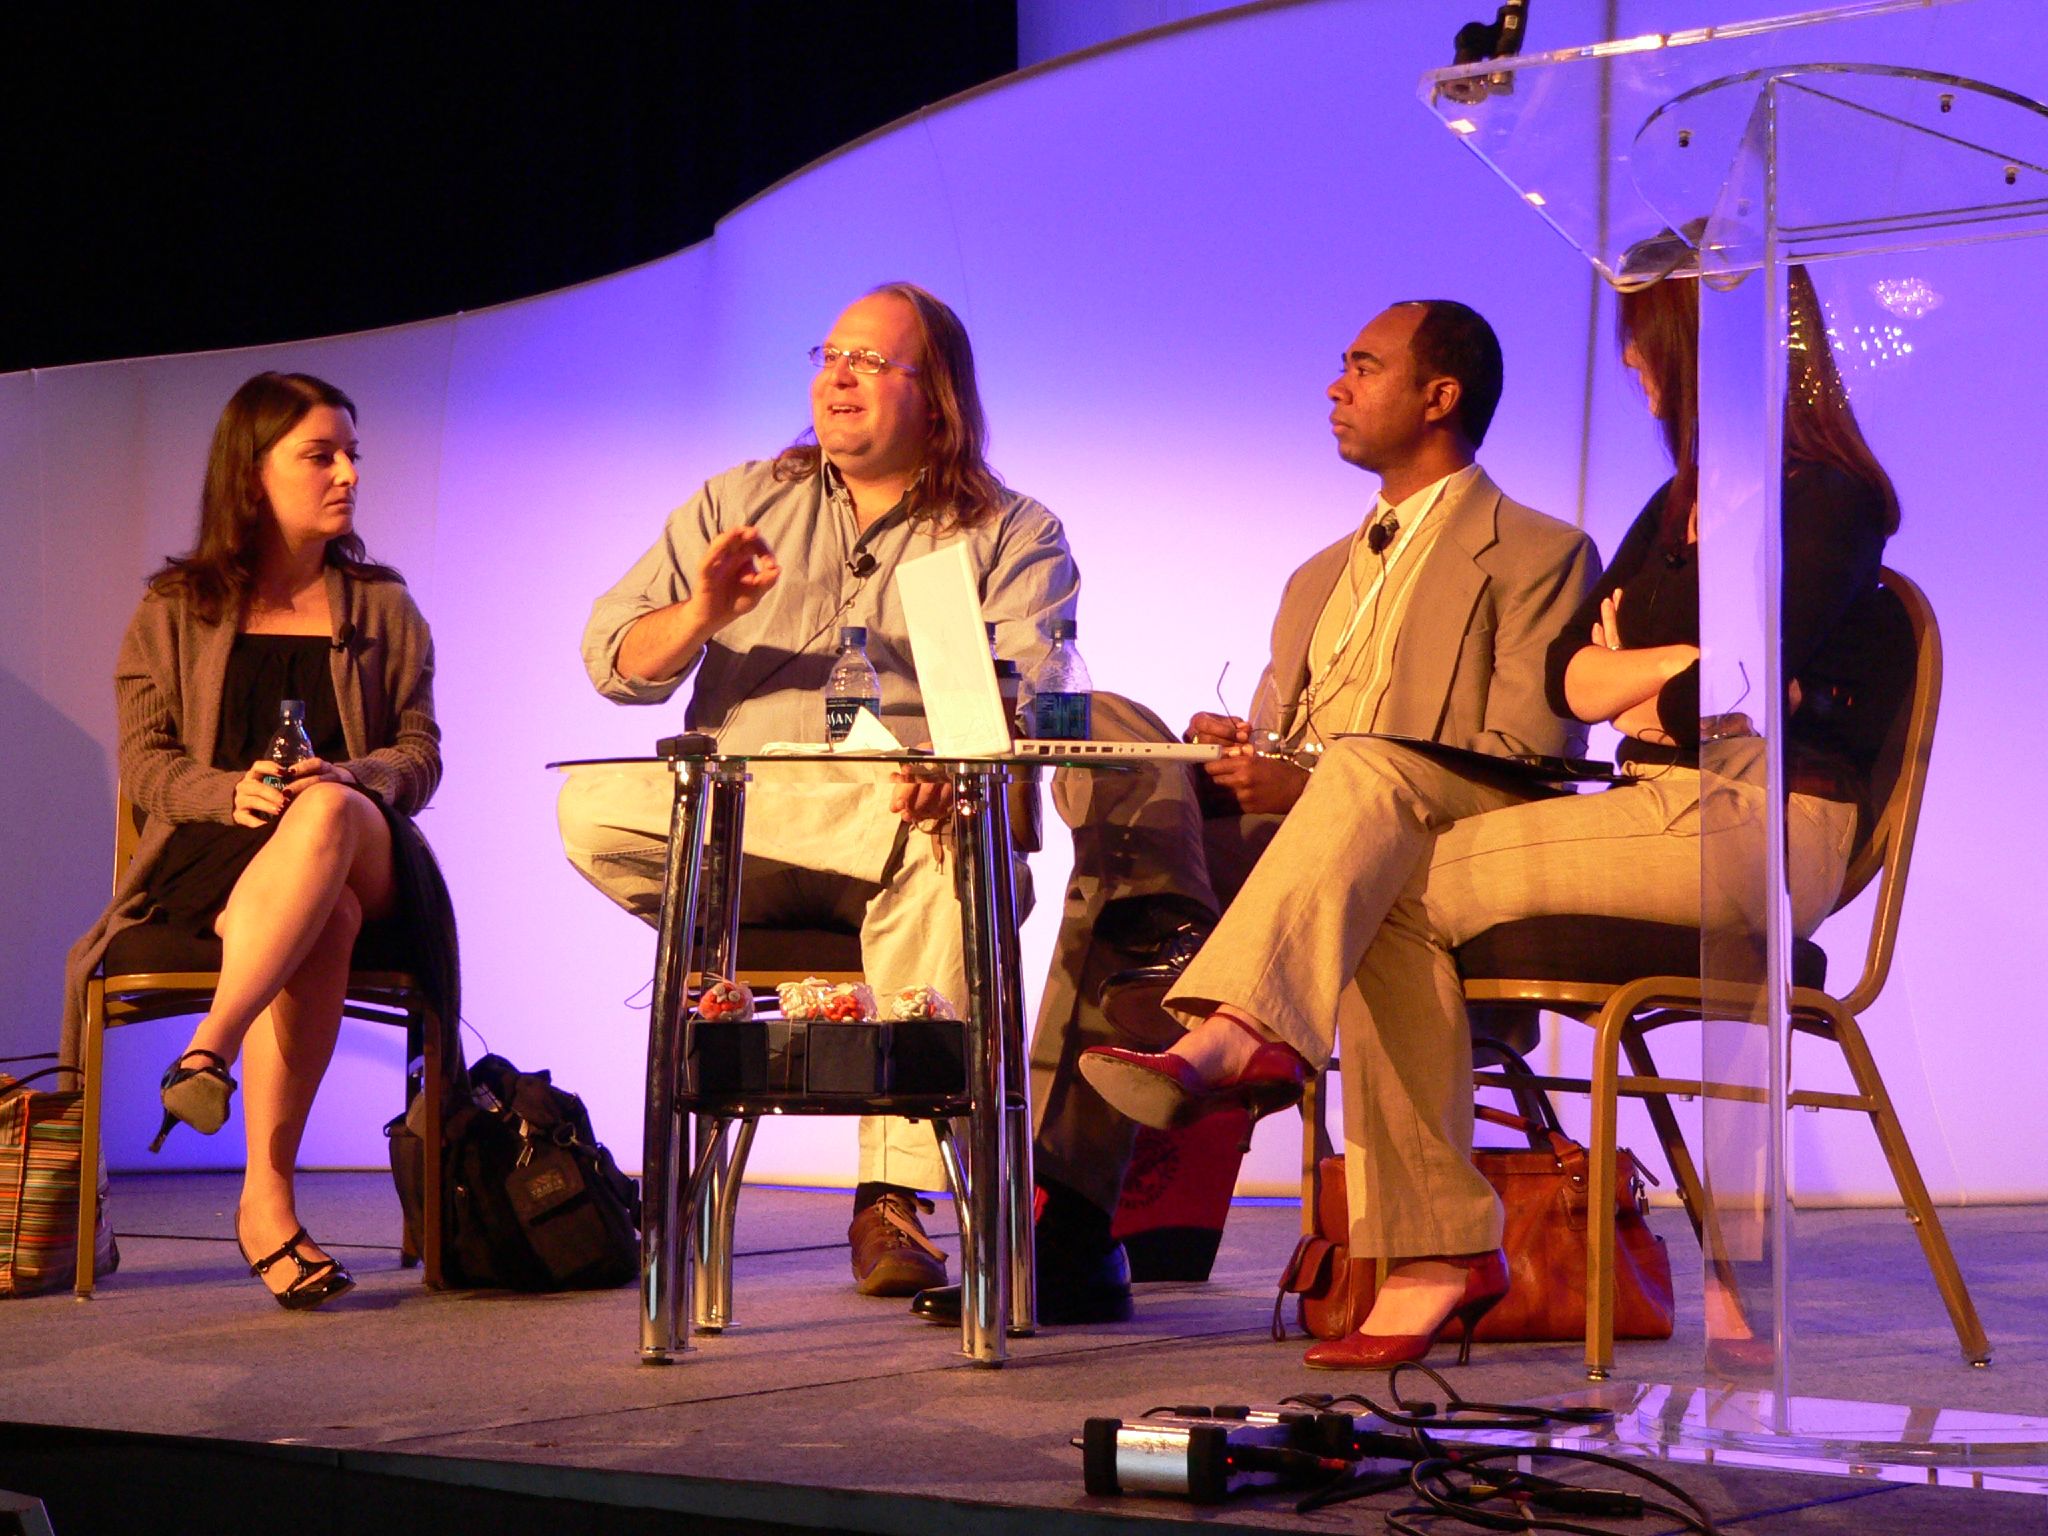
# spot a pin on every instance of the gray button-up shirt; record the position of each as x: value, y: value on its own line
x: 762, y: 677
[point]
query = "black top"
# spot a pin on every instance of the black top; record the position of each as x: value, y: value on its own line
x: 204, y: 859
x: 1833, y: 545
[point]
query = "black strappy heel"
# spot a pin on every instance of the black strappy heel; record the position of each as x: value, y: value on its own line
x: 196, y: 1095
x: 320, y: 1280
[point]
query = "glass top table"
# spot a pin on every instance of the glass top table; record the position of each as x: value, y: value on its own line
x: 686, y: 1233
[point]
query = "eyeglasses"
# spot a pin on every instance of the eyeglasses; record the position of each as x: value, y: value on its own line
x: 859, y: 359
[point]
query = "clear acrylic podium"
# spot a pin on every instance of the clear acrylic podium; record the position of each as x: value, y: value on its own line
x: 1841, y: 139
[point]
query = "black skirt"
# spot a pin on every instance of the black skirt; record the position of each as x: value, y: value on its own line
x: 203, y: 859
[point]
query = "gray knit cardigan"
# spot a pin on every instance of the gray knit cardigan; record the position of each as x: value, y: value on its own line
x: 168, y: 681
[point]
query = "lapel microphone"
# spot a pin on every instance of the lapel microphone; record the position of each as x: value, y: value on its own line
x: 1382, y: 533
x: 861, y: 562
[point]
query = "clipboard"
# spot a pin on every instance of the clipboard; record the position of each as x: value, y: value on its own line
x: 1532, y: 768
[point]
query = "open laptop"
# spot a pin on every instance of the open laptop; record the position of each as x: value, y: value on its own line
x: 957, y: 679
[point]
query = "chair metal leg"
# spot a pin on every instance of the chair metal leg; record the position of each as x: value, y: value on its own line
x: 93, y: 1054
x: 433, y: 1216
x: 711, y: 1260
x: 415, y: 1085
x: 1600, y: 1193
x: 1684, y: 1172
x: 970, y: 1233
x: 718, y: 1269
x: 683, y: 1282
x: 1891, y: 1136
x: 1315, y: 1144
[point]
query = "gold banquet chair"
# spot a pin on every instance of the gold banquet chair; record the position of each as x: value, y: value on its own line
x: 151, y: 972
x: 1625, y: 978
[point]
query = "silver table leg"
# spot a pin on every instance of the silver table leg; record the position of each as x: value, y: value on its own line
x: 1019, y: 1193
x: 664, y: 1272
x: 996, y: 1271
x: 725, y: 810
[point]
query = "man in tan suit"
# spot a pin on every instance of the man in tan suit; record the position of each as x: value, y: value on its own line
x: 1430, y: 619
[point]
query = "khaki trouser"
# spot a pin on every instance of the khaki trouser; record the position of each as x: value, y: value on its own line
x: 799, y: 839
x: 1342, y: 939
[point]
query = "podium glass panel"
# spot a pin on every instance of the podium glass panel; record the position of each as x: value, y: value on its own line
x: 1786, y: 165
x: 1885, y: 139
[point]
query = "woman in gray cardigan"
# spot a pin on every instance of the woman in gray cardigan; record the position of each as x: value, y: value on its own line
x: 285, y: 864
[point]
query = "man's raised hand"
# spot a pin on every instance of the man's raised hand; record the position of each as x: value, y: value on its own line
x: 736, y: 570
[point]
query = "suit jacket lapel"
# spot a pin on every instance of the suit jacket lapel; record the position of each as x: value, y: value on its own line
x: 1294, y: 626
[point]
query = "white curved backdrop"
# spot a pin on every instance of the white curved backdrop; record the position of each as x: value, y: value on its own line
x: 1160, y: 250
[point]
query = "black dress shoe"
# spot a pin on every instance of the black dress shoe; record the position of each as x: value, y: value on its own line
x: 1070, y: 1291
x: 1131, y: 998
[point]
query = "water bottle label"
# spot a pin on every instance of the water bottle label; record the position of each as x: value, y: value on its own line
x: 1060, y: 716
x: 839, y: 715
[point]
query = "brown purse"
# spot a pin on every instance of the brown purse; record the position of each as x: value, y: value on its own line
x: 1543, y: 1188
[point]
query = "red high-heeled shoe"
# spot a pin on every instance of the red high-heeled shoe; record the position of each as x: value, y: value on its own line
x: 1486, y: 1282
x: 1163, y: 1090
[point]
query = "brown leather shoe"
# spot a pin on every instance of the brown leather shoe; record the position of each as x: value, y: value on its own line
x: 891, y: 1254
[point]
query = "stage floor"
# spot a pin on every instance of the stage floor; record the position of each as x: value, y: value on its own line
x: 823, y: 1409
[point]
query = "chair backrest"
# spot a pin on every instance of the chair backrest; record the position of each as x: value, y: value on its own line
x: 128, y: 820
x: 1898, y: 781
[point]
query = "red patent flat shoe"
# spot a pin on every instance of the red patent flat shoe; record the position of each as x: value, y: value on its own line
x: 1163, y: 1090
x: 1486, y: 1282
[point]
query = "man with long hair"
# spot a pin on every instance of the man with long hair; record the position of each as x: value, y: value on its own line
x: 743, y: 594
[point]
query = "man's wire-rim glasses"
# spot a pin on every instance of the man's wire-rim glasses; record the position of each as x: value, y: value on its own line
x: 860, y: 359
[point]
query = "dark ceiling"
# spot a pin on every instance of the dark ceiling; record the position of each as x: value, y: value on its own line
x: 189, y: 179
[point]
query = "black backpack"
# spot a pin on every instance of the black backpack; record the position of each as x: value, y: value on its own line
x: 531, y: 1201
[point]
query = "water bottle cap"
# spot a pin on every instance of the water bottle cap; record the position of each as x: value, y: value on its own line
x: 854, y: 634
x: 291, y: 709
x: 1063, y: 629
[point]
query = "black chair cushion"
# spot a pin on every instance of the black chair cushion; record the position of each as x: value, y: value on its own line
x: 1606, y: 951
x: 148, y: 947
x: 799, y: 951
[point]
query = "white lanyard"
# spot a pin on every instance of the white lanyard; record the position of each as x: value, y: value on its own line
x: 1387, y: 563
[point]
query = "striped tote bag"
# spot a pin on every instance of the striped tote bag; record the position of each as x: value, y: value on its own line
x: 39, y: 1190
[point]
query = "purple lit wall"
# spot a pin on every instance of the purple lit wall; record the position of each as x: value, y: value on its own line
x: 1160, y: 250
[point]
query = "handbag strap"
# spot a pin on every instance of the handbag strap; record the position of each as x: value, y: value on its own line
x: 1537, y: 1117
x: 22, y: 1082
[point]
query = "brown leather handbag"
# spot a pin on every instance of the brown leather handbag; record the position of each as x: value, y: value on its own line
x: 1543, y: 1187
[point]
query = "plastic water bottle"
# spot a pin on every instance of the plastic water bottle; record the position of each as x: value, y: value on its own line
x: 854, y: 684
x: 1060, y: 689
x: 290, y: 743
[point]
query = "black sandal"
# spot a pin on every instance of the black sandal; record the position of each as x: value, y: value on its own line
x: 320, y: 1280
x: 196, y: 1095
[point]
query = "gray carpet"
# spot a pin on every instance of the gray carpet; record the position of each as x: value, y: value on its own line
x: 825, y: 1408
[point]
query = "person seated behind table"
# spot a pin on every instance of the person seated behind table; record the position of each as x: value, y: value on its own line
x: 277, y: 600
x: 743, y: 594
x: 1430, y: 619
x: 1345, y: 930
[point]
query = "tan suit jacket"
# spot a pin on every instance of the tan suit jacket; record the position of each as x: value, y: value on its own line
x: 1499, y: 583
x: 1495, y: 589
